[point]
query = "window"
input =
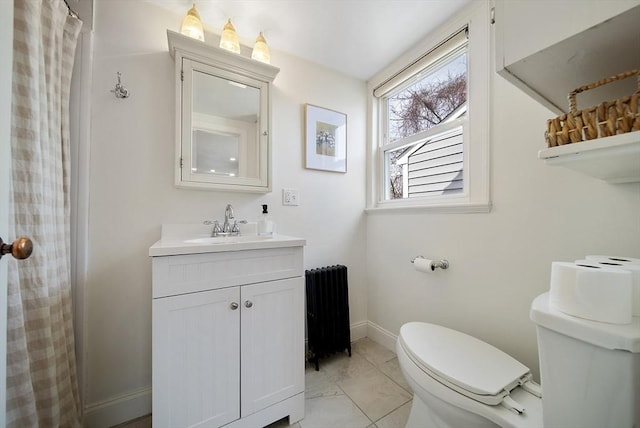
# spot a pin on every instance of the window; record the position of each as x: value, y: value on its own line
x: 430, y: 136
x: 421, y: 156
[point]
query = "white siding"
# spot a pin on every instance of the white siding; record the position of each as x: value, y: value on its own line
x: 436, y: 167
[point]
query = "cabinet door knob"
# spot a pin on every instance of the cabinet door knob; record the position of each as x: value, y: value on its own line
x: 233, y: 306
x: 248, y: 303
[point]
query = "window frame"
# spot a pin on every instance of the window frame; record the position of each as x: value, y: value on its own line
x: 475, y: 196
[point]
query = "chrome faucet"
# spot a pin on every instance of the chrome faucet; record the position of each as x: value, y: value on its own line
x: 227, y: 228
x: 228, y: 215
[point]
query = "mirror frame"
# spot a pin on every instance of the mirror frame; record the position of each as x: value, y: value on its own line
x: 198, y: 121
x: 191, y: 54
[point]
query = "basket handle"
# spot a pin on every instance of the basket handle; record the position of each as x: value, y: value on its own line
x: 573, y: 108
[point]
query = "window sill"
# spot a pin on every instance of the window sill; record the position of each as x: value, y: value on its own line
x: 462, y: 208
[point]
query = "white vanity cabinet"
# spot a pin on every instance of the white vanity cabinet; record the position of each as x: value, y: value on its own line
x: 228, y: 337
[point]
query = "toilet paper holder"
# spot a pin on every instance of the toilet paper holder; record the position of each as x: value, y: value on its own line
x: 442, y: 264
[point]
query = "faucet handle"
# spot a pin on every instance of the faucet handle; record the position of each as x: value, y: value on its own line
x: 216, y: 227
x: 236, y: 226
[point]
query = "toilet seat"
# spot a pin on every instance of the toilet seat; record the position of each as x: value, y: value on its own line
x: 463, y: 363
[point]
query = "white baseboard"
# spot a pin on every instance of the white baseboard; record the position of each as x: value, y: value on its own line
x: 358, y: 330
x: 381, y: 336
x: 119, y: 409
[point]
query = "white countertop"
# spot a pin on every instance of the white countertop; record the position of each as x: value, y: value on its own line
x: 175, y: 240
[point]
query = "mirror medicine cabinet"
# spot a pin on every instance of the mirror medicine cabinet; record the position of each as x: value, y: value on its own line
x: 223, y: 138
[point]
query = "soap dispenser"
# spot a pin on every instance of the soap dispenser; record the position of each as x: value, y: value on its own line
x: 265, y: 225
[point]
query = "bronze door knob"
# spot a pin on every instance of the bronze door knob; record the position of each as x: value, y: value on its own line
x: 20, y: 249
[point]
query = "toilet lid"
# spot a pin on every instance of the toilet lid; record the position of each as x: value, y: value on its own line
x: 468, y: 365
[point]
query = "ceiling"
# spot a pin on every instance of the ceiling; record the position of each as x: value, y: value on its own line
x: 356, y: 37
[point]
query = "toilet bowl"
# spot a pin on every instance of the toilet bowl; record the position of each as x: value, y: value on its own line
x: 590, y: 373
x: 460, y: 381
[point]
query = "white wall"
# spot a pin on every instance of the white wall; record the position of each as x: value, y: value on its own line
x: 500, y: 261
x: 132, y: 193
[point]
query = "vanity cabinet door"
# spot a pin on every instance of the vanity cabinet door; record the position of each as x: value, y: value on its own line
x: 196, y: 359
x: 272, y: 336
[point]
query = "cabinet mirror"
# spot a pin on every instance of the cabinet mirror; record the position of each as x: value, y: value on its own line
x: 222, y: 110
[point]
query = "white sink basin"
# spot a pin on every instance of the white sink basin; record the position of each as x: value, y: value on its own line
x: 227, y: 239
x: 179, y: 239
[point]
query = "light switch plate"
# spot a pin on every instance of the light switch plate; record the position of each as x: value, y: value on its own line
x: 290, y: 197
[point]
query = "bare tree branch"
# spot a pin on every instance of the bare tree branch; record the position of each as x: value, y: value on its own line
x: 426, y: 105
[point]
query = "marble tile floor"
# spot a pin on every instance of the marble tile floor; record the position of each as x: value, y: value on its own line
x: 367, y: 390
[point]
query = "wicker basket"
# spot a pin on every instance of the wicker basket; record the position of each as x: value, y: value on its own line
x: 606, y: 119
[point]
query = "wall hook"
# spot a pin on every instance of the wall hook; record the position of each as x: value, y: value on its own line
x: 120, y: 91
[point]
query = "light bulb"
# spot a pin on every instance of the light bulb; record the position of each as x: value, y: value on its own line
x: 229, y: 38
x: 191, y: 24
x: 261, y: 50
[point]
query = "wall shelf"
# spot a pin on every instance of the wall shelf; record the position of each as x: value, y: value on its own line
x: 562, y: 55
x: 614, y: 159
x: 548, y: 74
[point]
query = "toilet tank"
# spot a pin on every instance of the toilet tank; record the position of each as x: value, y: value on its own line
x: 590, y: 371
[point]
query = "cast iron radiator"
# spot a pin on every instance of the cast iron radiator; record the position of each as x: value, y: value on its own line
x: 328, y: 327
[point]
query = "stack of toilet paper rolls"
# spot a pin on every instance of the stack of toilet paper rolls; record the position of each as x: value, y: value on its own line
x: 598, y: 288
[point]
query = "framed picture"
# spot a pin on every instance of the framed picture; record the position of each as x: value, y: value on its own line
x: 325, y: 139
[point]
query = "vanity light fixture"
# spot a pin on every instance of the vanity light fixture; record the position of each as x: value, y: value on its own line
x: 192, y: 25
x: 229, y: 38
x: 261, y: 50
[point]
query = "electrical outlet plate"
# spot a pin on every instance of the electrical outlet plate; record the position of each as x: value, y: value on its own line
x: 290, y: 197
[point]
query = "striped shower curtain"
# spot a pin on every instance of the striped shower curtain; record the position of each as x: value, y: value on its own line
x: 42, y: 387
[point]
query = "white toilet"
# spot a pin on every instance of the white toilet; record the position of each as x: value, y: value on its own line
x: 590, y: 373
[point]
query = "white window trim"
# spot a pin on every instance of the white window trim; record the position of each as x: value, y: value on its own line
x: 476, y: 197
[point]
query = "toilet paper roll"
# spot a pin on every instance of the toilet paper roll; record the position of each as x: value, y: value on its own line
x: 423, y: 265
x: 634, y: 268
x: 614, y: 259
x: 592, y: 292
